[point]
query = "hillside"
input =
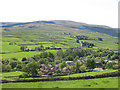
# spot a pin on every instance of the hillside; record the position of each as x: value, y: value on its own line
x: 66, y: 24
x: 56, y: 33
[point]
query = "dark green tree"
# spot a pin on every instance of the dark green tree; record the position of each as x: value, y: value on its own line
x: 109, y: 65
x: 90, y: 64
x: 58, y: 71
x: 77, y: 66
x: 51, y: 55
x: 13, y: 64
x: 77, y: 41
x: 31, y: 69
x: 22, y: 48
x: 62, y: 65
x: 24, y: 59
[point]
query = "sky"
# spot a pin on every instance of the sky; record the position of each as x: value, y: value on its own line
x: 100, y: 12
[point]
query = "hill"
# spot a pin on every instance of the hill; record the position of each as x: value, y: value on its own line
x: 55, y: 33
x: 66, y: 24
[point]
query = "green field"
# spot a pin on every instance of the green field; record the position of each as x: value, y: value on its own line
x: 6, y: 74
x: 90, y: 73
x: 111, y: 82
x: 52, y: 36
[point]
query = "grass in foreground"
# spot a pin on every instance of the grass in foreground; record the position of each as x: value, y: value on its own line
x: 111, y: 82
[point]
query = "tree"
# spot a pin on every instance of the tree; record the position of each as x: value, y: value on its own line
x: 62, y: 65
x: 100, y: 39
x: 50, y: 73
x: 60, y: 54
x: 72, y: 68
x: 5, y: 62
x: 109, y: 65
x: 44, y: 55
x: 19, y: 67
x: 22, y: 48
x: 58, y: 71
x: 83, y: 68
x: 24, y: 59
x: 42, y: 47
x: 90, y: 64
x: 51, y: 55
x: 116, y: 66
x: 69, y: 58
x: 31, y: 69
x: 77, y: 57
x: 42, y: 61
x: 15, y: 59
x: 77, y: 41
x: 13, y: 64
x: 77, y: 66
x: 6, y: 68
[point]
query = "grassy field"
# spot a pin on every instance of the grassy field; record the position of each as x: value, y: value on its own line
x: 111, y: 82
x: 90, y: 73
x: 6, y: 74
x: 20, y: 55
x: 53, y: 36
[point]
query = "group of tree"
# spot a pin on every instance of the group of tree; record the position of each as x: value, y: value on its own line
x: 81, y: 37
x: 86, y: 44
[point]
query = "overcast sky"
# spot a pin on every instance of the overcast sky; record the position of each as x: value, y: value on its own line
x: 101, y: 12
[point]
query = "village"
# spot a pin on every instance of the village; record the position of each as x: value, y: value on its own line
x: 66, y: 70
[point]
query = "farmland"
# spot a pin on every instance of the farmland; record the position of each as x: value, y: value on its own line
x: 56, y: 36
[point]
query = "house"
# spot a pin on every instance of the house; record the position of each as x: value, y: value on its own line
x: 48, y: 68
x: 98, y: 64
x: 66, y: 70
x: 80, y: 61
x: 110, y: 61
x: 47, y: 47
x: 53, y: 48
x: 105, y: 61
x: 70, y: 63
x: 116, y: 60
x: 97, y: 69
x: 29, y: 49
